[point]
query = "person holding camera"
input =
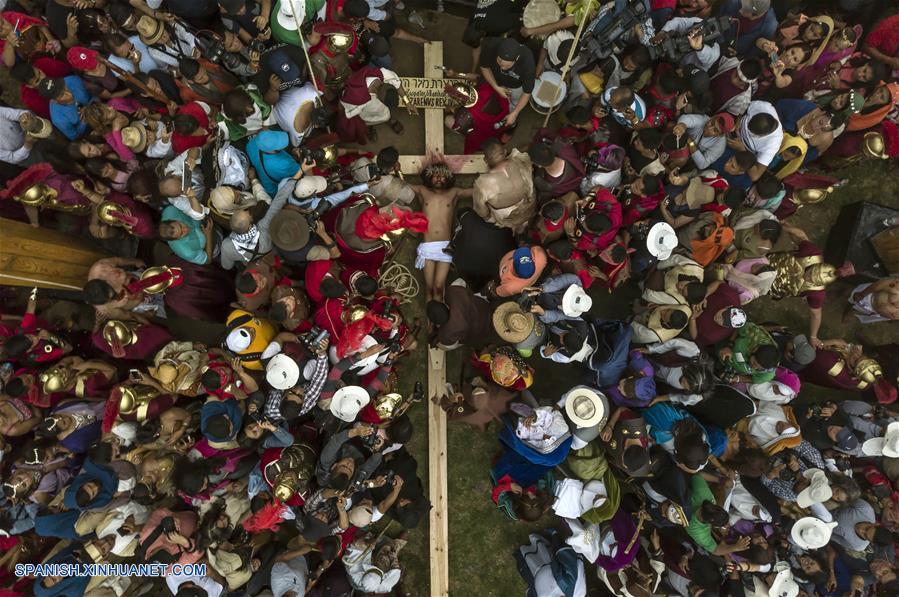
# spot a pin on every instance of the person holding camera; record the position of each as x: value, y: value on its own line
x: 203, y: 81
x: 306, y: 192
x: 383, y: 176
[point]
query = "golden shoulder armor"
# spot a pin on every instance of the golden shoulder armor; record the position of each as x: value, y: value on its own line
x: 874, y: 146
x: 133, y: 397
x: 155, y: 271
x: 37, y: 194
x: 56, y: 379
x: 389, y: 406
x: 117, y: 330
x: 106, y: 212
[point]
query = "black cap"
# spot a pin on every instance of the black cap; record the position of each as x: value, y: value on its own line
x: 51, y: 88
x: 509, y: 49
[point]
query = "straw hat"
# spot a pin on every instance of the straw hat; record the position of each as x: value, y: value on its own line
x: 289, y: 231
x: 134, y: 136
x: 38, y: 128
x: 511, y: 323
x: 150, y: 30
x: 586, y: 407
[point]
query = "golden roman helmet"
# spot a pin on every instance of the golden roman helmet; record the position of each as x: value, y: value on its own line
x: 292, y: 471
x: 339, y: 42
x: 159, y: 286
x: 874, y: 146
x: 131, y: 397
x: 106, y: 212
x: 330, y: 152
x: 389, y: 406
x: 117, y: 330
x: 464, y: 92
x: 809, y: 196
x: 37, y: 194
x: 822, y: 274
x: 57, y: 379
x: 868, y: 370
x: 355, y: 313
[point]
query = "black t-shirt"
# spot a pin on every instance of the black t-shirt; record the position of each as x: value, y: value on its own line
x: 56, y: 15
x: 522, y: 74
x: 496, y: 17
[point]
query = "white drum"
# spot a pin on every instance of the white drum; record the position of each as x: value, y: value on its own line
x: 549, y: 93
x: 540, y: 12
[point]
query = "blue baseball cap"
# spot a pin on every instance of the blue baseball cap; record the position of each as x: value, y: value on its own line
x: 523, y: 263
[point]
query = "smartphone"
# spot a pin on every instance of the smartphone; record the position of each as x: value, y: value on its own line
x: 185, y: 177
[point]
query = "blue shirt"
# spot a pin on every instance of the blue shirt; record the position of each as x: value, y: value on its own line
x: 65, y: 117
x: 272, y: 163
x: 192, y: 246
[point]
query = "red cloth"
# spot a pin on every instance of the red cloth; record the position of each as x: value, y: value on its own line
x: 181, y: 143
x: 372, y: 223
x: 885, y: 36
x: 638, y: 206
x: 604, y: 202
x: 315, y: 274
x: 485, y: 121
x: 51, y: 68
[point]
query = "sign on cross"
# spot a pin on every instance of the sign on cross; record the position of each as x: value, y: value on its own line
x: 468, y: 164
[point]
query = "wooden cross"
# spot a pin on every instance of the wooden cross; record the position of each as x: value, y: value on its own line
x: 412, y: 164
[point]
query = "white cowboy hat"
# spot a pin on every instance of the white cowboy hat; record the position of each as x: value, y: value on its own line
x: 286, y: 12
x: 818, y: 490
x: 784, y: 585
x: 811, y: 532
x: 575, y: 302
x: 661, y: 240
x: 586, y: 407
x: 888, y: 445
x: 282, y: 372
x: 348, y: 401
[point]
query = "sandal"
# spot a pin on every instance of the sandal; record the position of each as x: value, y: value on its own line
x: 396, y: 126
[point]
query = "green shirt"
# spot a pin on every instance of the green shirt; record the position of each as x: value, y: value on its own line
x: 746, y: 341
x: 192, y: 246
x: 701, y: 532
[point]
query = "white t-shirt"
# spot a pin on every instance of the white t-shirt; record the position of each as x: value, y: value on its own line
x: 767, y: 146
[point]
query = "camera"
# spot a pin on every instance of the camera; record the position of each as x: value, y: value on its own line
x: 256, y: 46
x: 675, y: 48
x: 316, y: 335
x: 167, y: 524
x: 310, y: 154
x: 525, y: 301
x: 604, y: 32
x: 316, y: 214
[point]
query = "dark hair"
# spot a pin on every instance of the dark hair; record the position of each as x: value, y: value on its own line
x: 98, y: 292
x: 767, y: 355
x: 670, y: 82
x: 751, y: 68
x: 705, y: 573
x: 235, y: 104
x: 542, y: 154
x: 634, y: 457
x: 438, y: 313
x: 745, y: 159
x: 387, y: 158
x: 278, y: 312
x: 378, y: 46
x: 218, y: 427
x: 17, y: 346
x: 714, y: 514
x: 880, y: 71
x: 340, y: 482
x: 189, y: 67
x: 573, y: 340
x: 366, y: 285
x: 768, y: 185
x: 148, y: 431
x: 597, y: 222
x: 650, y: 137
x: 185, y: 124
x: 837, y: 120
x: 391, y: 98
x: 290, y: 410
x: 882, y: 537
x: 770, y: 230
x: 553, y: 210
x: 211, y: 380
x: 357, y: 9
x: 15, y: 387
x: 191, y: 592
x: 652, y: 184
x: 639, y: 54
x: 578, y: 115
x: 100, y: 452
x: 190, y: 476
x: 762, y: 124
x: 628, y: 97
x: 560, y: 249
x: 694, y: 293
x: 400, y: 430
x: 331, y: 287
x: 676, y: 321
x: 618, y: 254
x: 82, y: 497
x: 246, y: 283
x: 734, y: 197
x: 22, y: 71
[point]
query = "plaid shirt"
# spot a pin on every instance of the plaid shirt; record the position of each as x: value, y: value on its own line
x: 809, y: 457
x: 311, y: 392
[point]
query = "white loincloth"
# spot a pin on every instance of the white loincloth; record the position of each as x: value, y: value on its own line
x: 864, y: 309
x: 432, y: 251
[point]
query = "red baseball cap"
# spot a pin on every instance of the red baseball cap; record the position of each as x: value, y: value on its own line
x: 725, y: 121
x: 82, y: 58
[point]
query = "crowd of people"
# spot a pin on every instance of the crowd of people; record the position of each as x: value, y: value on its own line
x: 224, y: 154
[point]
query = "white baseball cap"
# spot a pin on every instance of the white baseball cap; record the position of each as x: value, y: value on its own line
x: 575, y: 302
x: 282, y: 372
x: 286, y: 12
x: 309, y: 186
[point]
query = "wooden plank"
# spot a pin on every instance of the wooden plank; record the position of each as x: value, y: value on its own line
x: 462, y: 164
x: 433, y: 117
x: 437, y: 476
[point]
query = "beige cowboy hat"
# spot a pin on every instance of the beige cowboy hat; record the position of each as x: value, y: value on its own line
x: 586, y: 406
x: 888, y: 445
x: 289, y: 231
x: 38, y: 128
x: 134, y: 136
x: 150, y: 30
x: 511, y: 323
